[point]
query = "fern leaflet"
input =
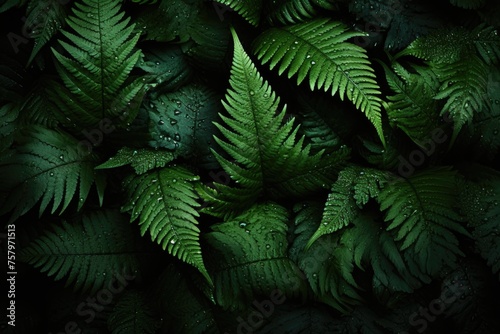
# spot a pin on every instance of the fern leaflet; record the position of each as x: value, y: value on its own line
x: 165, y: 203
x: 269, y: 160
x: 47, y: 166
x: 96, y: 72
x: 420, y: 211
x: 91, y: 253
x: 253, y: 247
x: 318, y: 49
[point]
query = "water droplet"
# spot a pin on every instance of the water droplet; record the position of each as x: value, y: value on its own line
x: 173, y: 122
x: 313, y: 62
x: 174, y: 180
x: 172, y: 241
x: 61, y: 157
x: 161, y: 122
x: 51, y: 174
x: 252, y: 93
x: 177, y: 137
x: 243, y: 224
x: 177, y: 112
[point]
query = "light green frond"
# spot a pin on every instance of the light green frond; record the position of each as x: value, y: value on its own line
x: 318, y: 50
x: 100, y: 54
x: 267, y: 158
x: 352, y: 190
x: 142, y: 160
x: 164, y: 201
x: 47, y: 166
x: 47, y: 18
x: 91, y: 254
x: 420, y: 212
x: 248, y: 9
x: 248, y: 257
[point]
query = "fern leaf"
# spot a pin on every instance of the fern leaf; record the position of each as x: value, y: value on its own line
x: 165, y: 203
x: 47, y: 18
x: 95, y: 71
x: 413, y: 108
x: 354, y: 187
x: 9, y: 114
x: 487, y: 43
x: 47, y: 166
x: 420, y: 211
x: 268, y: 159
x: 132, y: 315
x: 142, y: 160
x: 465, y: 87
x: 318, y: 49
x: 249, y: 9
x: 12, y: 80
x: 91, y: 254
x: 249, y: 257
x: 327, y: 265
x: 290, y: 11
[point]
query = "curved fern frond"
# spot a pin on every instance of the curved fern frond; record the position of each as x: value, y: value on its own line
x: 47, y: 166
x: 92, y: 254
x: 352, y: 190
x: 142, y: 160
x: 96, y: 70
x: 248, y: 9
x: 413, y: 109
x: 420, y: 211
x: 249, y: 257
x: 165, y: 203
x: 132, y: 315
x: 46, y: 18
x: 318, y: 49
x: 327, y: 265
x: 465, y: 87
x: 291, y: 12
x: 268, y: 159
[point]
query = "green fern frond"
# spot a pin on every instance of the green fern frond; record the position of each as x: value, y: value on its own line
x: 468, y: 4
x: 413, y: 109
x: 487, y: 43
x: 327, y: 265
x: 268, y: 159
x: 142, y: 160
x: 47, y: 17
x: 352, y: 190
x: 132, y: 315
x: 464, y: 85
x: 249, y: 257
x: 420, y: 211
x: 318, y: 49
x: 249, y: 9
x: 47, y: 166
x: 292, y: 12
x: 92, y: 254
x: 101, y: 55
x: 165, y: 203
